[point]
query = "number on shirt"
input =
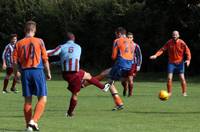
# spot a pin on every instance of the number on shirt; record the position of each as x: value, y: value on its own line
x: 29, y: 51
x: 71, y: 50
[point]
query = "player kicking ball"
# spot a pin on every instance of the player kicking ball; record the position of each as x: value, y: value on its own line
x: 70, y: 53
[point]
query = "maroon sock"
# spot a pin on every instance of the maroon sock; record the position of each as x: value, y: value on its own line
x: 96, y: 82
x: 130, y: 88
x: 123, y: 84
x: 72, y: 106
x: 13, y: 84
x: 125, y: 88
x: 5, y: 84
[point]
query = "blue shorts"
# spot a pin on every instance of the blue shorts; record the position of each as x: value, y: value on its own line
x: 117, y: 73
x: 177, y: 68
x: 33, y: 82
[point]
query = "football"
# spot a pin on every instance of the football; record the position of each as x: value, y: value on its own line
x: 163, y: 95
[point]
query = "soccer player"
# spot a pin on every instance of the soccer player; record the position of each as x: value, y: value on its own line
x: 137, y: 62
x: 8, y: 64
x: 31, y: 58
x: 119, y: 105
x: 122, y: 54
x: 70, y: 53
x: 176, y: 49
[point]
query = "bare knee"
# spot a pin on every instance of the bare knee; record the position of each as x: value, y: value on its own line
x: 87, y: 76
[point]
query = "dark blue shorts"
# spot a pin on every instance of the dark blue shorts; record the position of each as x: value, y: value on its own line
x: 33, y: 82
x: 177, y: 68
x: 118, y: 72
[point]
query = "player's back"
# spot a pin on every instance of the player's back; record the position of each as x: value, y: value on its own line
x: 125, y: 48
x: 123, y: 52
x: 30, y: 52
x: 70, y: 56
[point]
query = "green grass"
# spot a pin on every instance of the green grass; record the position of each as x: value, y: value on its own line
x: 143, y: 112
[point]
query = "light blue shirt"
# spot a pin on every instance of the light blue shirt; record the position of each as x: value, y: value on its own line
x: 69, y: 53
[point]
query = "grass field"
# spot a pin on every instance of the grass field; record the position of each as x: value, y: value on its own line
x: 143, y: 112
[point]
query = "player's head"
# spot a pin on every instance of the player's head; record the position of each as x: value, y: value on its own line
x: 70, y: 36
x: 130, y: 36
x: 30, y: 27
x: 120, y: 31
x: 13, y: 38
x: 175, y: 35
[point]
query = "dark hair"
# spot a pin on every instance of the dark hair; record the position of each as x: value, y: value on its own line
x: 13, y: 35
x: 70, y: 36
x: 129, y: 33
x: 120, y: 30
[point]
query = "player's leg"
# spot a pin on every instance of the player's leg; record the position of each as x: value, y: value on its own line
x: 115, y: 74
x: 125, y: 86
x: 74, y: 86
x: 183, y: 84
x: 6, y: 79
x: 99, y: 77
x: 94, y: 81
x: 39, y: 108
x: 73, y: 103
x: 181, y: 70
x: 118, y: 101
x: 103, y: 74
x: 169, y: 83
x: 38, y: 83
x: 27, y: 109
x: 130, y: 86
x: 26, y: 91
x: 171, y: 67
x: 131, y: 75
x: 13, y: 88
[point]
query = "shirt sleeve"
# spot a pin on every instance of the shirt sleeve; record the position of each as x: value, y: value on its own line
x: 138, y: 55
x: 114, y: 50
x: 162, y: 50
x: 3, y: 54
x: 54, y: 52
x: 43, y: 52
x: 15, y: 54
x: 187, y: 52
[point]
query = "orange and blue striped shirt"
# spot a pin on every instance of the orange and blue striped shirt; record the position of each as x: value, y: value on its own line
x: 30, y: 52
x: 123, y: 52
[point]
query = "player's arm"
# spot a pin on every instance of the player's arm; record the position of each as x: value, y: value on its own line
x: 114, y: 50
x: 188, y: 54
x: 54, y: 52
x: 138, y: 55
x: 159, y: 52
x: 15, y: 60
x: 45, y: 61
x: 4, y: 58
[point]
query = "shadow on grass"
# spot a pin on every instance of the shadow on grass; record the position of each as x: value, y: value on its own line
x: 166, y: 112
x: 10, y: 130
x: 11, y: 116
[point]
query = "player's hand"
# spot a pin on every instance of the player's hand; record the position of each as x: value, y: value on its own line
x: 48, y: 76
x: 187, y: 62
x: 4, y: 66
x: 153, y: 57
x: 138, y: 68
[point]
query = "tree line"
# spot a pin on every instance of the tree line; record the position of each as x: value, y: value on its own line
x: 94, y: 21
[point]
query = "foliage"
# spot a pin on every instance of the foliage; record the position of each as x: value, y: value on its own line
x: 94, y: 21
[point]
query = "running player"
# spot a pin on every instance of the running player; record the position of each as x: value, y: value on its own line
x: 122, y: 54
